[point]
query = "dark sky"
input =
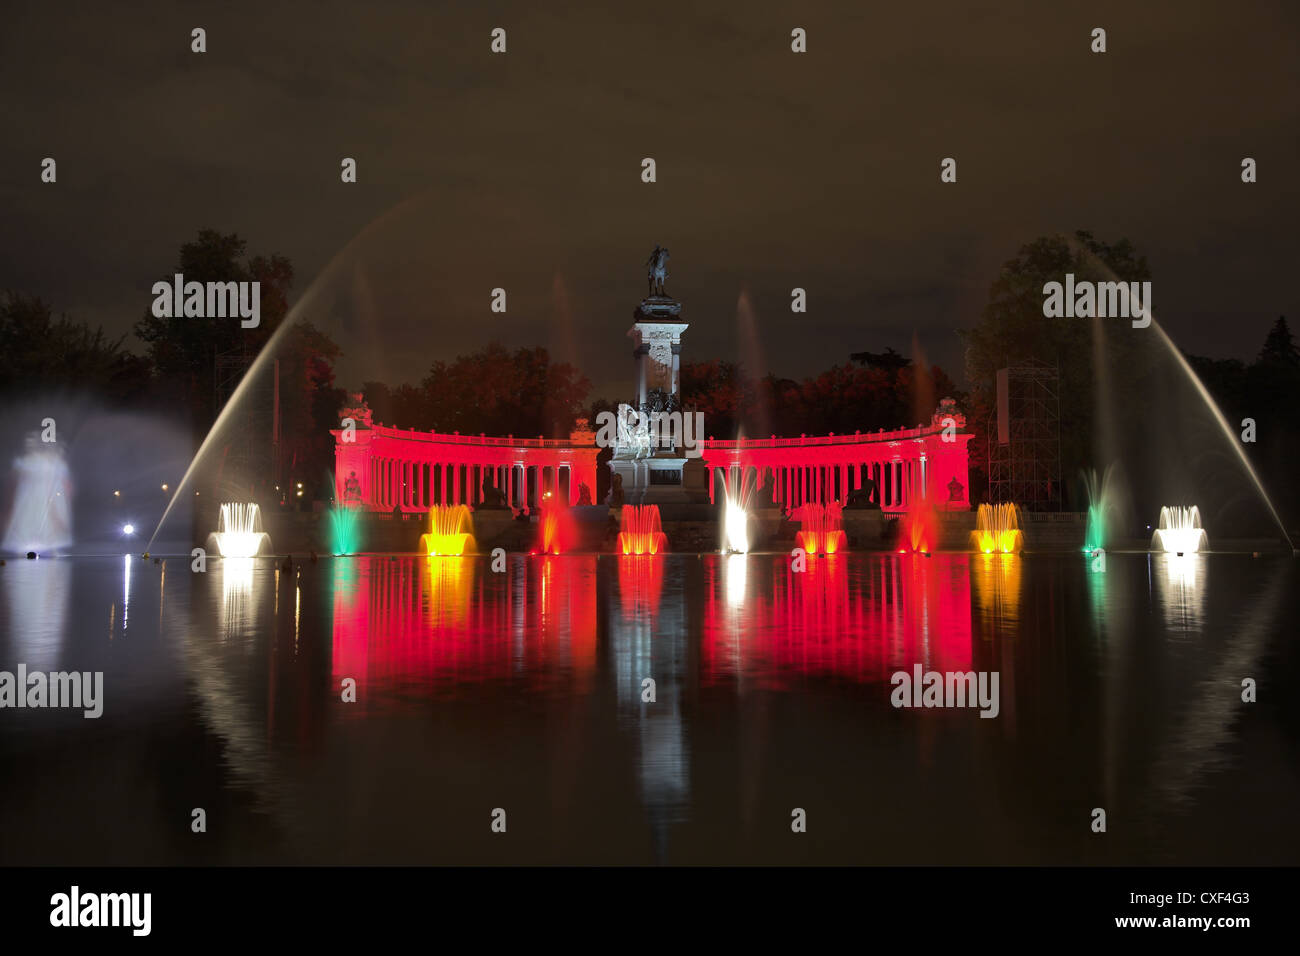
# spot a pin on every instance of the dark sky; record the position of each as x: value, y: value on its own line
x: 775, y: 170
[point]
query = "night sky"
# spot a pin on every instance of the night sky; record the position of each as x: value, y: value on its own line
x: 775, y: 170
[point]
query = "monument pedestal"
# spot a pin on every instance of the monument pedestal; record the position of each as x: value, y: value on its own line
x: 662, y: 479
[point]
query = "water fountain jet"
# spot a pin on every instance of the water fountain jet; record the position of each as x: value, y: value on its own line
x: 997, y: 529
x: 1180, y: 531
x: 919, y: 530
x: 556, y: 532
x: 822, y: 528
x: 451, y: 532
x: 641, y: 531
x: 239, y: 531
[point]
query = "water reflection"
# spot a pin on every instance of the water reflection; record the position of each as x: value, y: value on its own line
x: 237, y: 605
x: 37, y: 595
x: 421, y: 626
x: 527, y: 688
x: 857, y: 620
x: 997, y: 593
x: 1180, y: 589
x: 648, y: 641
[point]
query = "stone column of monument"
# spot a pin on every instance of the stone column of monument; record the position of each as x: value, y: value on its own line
x: 658, y: 473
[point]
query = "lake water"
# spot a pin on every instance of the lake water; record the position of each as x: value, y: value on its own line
x: 523, y: 691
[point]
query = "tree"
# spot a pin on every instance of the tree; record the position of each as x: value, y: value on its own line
x: 184, y: 349
x: 39, y: 353
x: 497, y: 392
x: 1279, y: 349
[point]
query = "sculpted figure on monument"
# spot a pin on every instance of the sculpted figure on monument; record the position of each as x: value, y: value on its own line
x: 658, y: 270
x: 492, y: 496
x: 864, y: 497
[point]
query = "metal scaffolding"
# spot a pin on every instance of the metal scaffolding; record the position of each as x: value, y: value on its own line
x: 1025, y: 440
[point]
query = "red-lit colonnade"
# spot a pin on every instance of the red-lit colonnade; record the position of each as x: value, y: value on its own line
x: 411, y: 471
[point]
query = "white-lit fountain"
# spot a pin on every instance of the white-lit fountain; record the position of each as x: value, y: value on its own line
x: 1180, y: 531
x: 735, y: 514
x: 40, y: 519
x: 240, y: 534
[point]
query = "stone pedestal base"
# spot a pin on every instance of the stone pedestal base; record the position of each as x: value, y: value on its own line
x: 662, y: 480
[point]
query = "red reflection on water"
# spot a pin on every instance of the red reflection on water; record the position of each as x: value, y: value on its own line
x: 432, y: 623
x: 640, y: 583
x: 895, y: 612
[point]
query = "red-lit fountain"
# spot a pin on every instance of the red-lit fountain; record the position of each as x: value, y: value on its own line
x: 556, y: 532
x: 919, y: 530
x: 822, y: 528
x: 641, y: 532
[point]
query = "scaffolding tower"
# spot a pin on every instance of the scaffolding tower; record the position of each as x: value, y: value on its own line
x: 1025, y: 446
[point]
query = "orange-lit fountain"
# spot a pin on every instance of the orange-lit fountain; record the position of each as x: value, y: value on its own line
x: 451, y: 531
x: 822, y: 528
x: 997, y: 529
x: 641, y: 532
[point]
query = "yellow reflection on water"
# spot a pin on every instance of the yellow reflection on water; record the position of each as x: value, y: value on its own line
x: 997, y: 591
